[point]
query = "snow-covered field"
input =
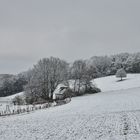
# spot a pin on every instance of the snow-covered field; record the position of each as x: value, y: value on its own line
x: 110, y: 83
x: 110, y: 115
x: 10, y: 98
x: 4, y: 101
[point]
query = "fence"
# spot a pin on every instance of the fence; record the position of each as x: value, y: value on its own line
x: 29, y: 108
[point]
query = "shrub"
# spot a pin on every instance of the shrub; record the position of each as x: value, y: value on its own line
x: 92, y: 90
x: 18, y: 100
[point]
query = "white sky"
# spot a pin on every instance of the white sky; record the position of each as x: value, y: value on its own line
x: 69, y: 29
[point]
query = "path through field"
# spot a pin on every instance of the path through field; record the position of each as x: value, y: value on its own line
x: 103, y: 116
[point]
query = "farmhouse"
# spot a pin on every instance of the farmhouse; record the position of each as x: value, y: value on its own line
x: 59, y: 92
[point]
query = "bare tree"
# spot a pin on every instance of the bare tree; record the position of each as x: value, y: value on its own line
x: 89, y: 74
x: 45, y: 76
x: 77, y: 71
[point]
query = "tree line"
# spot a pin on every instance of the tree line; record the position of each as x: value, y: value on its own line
x: 44, y: 77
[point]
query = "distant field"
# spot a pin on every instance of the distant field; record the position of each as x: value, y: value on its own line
x: 110, y: 83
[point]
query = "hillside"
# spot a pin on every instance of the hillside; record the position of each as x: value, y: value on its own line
x: 11, y: 97
x: 113, y: 114
x: 111, y: 83
x: 104, y: 116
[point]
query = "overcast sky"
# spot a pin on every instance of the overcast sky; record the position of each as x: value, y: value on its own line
x: 69, y: 29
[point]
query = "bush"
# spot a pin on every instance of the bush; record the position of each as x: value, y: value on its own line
x: 93, y: 90
x: 40, y: 101
x: 29, y: 100
x: 89, y: 90
x: 18, y: 100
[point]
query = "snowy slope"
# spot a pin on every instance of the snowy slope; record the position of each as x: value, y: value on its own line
x: 4, y: 101
x: 11, y: 96
x: 112, y: 116
x: 111, y: 83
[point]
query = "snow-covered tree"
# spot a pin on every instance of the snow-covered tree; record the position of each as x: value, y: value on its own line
x: 102, y: 64
x: 18, y: 100
x: 45, y: 76
x: 12, y: 85
x: 77, y: 72
x: 121, y: 74
x: 82, y: 74
x: 118, y: 61
x: 130, y: 62
x: 136, y: 63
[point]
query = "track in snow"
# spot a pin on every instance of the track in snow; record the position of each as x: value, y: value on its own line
x: 111, y: 116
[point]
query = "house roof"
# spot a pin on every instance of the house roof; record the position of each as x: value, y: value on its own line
x: 61, y: 88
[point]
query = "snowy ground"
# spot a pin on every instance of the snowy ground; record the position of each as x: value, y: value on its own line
x: 110, y: 83
x: 9, y: 98
x: 110, y: 115
x: 4, y: 101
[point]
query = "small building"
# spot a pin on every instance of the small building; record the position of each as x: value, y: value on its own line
x: 59, y: 92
